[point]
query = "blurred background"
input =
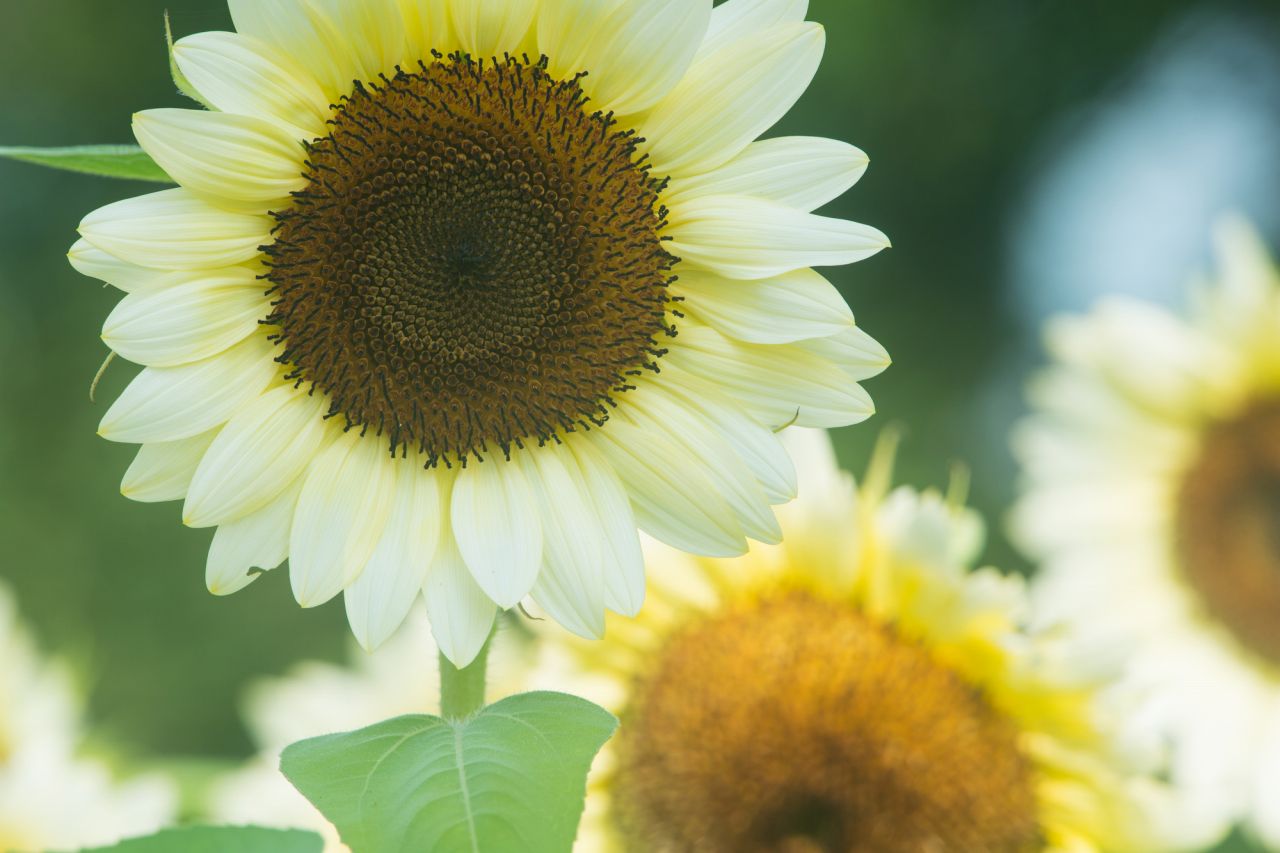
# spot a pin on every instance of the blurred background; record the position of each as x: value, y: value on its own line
x: 1027, y: 156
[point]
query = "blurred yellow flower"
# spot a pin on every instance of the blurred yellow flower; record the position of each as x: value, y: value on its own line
x: 466, y: 330
x: 51, y: 798
x: 856, y: 688
x: 1153, y: 495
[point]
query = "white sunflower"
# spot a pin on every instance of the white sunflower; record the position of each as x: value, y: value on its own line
x: 1153, y: 497
x: 51, y: 798
x: 860, y: 687
x: 456, y: 294
x: 318, y: 699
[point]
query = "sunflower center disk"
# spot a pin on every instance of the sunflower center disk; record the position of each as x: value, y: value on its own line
x: 476, y: 262
x: 1228, y: 523
x: 798, y: 725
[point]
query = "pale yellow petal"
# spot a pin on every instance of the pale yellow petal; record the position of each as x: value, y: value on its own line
x: 730, y: 97
x: 88, y: 259
x: 188, y: 322
x: 341, y: 515
x: 242, y: 75
x: 797, y: 171
x: 736, y: 19
x: 488, y: 28
x: 170, y: 403
x: 622, y: 560
x: 267, y: 445
x: 461, y: 614
x: 428, y: 28
x: 568, y: 28
x: 380, y: 599
x: 233, y: 161
x: 640, y: 52
x: 778, y: 384
x: 792, y: 307
x: 257, y: 541
x: 748, y: 238
x: 162, y: 471
x: 673, y: 499
x: 570, y: 585
x: 497, y: 527
x: 659, y: 413
x: 305, y: 34
x: 173, y: 229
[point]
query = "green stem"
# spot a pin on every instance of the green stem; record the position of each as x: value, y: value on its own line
x: 462, y: 690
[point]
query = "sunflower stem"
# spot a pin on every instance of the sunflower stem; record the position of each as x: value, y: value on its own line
x: 462, y: 690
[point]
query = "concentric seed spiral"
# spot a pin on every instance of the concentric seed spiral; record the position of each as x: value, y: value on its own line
x: 476, y: 263
x: 794, y: 725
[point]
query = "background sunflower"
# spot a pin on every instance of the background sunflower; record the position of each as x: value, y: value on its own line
x: 1028, y: 157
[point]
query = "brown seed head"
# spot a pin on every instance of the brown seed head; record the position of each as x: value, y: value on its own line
x: 476, y: 261
x: 794, y: 725
x: 1228, y: 527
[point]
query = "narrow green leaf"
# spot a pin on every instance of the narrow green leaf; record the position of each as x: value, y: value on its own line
x: 110, y: 161
x: 513, y: 777
x: 221, y: 839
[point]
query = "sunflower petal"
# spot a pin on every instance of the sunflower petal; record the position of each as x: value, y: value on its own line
x: 380, y: 599
x: 342, y: 513
x: 672, y: 499
x: 269, y: 443
x: 737, y: 19
x: 169, y: 403
x: 175, y: 230
x: 570, y: 586
x: 623, y: 561
x: 791, y: 307
x: 804, y: 172
x: 779, y: 384
x: 730, y: 97
x: 748, y: 238
x: 229, y: 160
x: 257, y: 541
x: 497, y: 528
x: 642, y: 51
x: 241, y: 75
x: 187, y: 322
x: 492, y: 27
x: 162, y: 471
x: 460, y: 613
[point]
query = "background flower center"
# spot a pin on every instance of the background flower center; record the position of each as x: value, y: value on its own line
x: 1228, y: 526
x: 794, y: 724
x: 476, y: 261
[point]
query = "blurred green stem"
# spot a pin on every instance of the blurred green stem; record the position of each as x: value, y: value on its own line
x: 462, y: 690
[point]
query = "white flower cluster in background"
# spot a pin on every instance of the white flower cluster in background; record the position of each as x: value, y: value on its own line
x: 51, y: 797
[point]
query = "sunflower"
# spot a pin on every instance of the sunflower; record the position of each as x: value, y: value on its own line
x: 51, y: 798
x: 456, y: 294
x: 857, y: 688
x: 1153, y: 492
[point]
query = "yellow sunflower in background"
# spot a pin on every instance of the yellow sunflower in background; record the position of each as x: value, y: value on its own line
x: 456, y: 294
x: 857, y: 688
x: 1153, y: 497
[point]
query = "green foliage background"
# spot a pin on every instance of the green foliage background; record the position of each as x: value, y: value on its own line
x: 951, y: 98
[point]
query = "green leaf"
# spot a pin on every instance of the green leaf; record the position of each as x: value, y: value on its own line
x: 221, y: 839
x: 513, y: 777
x: 111, y: 161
